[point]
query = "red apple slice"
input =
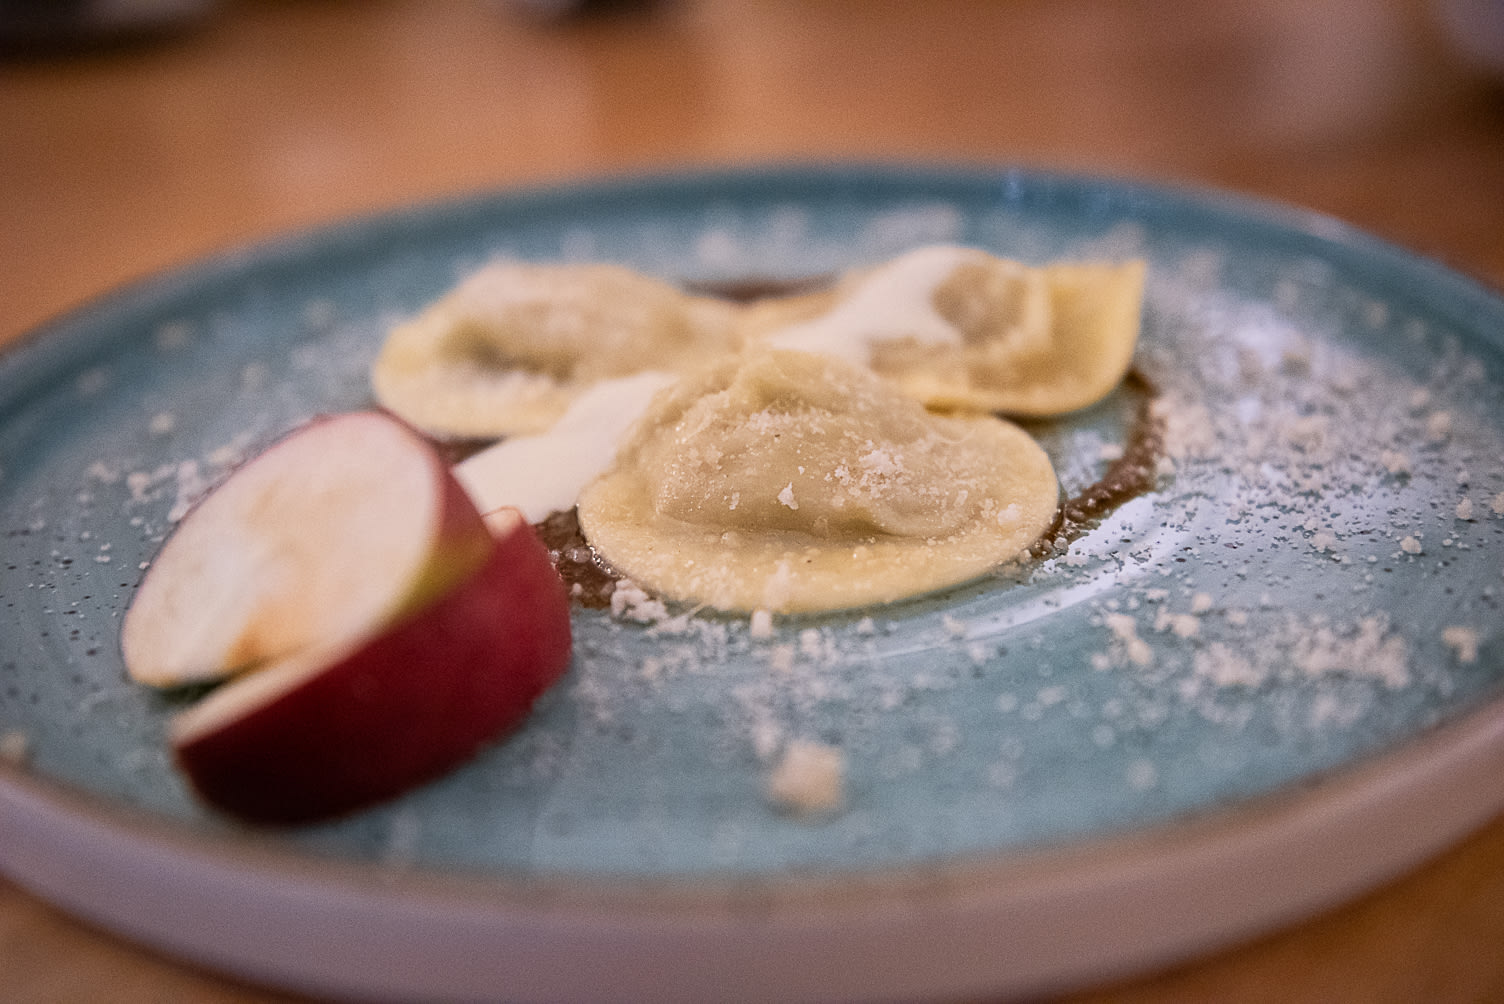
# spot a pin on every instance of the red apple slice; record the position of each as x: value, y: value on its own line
x: 340, y: 527
x: 388, y: 632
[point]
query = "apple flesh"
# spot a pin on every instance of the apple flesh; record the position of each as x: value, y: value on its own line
x: 419, y: 632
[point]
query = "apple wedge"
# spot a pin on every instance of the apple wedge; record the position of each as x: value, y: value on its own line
x: 338, y: 528
x: 372, y: 629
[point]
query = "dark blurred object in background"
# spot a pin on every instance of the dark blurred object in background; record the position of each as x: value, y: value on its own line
x: 40, y: 26
x: 555, y: 10
x: 1476, y: 29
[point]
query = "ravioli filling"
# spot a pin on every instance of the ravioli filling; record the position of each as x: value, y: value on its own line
x: 796, y: 482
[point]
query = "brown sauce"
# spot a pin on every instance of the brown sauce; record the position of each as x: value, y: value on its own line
x: 1126, y: 478
x: 455, y: 450
x: 752, y: 289
x: 589, y: 579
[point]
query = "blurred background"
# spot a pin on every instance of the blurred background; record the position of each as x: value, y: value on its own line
x: 136, y: 135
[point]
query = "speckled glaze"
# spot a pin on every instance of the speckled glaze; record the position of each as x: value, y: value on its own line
x: 1310, y: 591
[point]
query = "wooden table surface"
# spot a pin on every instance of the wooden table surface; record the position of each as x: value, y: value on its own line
x: 120, y: 160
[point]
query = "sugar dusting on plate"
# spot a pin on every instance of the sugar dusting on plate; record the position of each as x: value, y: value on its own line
x: 1309, y: 483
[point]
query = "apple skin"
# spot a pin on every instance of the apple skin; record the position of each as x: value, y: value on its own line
x: 323, y: 733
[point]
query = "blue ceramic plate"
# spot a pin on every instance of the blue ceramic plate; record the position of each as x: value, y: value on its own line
x: 1292, y: 640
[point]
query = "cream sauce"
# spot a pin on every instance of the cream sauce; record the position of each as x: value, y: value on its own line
x: 894, y: 301
x: 544, y: 473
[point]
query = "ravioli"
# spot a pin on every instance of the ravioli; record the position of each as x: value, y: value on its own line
x: 795, y: 482
x: 960, y: 329
x: 511, y: 347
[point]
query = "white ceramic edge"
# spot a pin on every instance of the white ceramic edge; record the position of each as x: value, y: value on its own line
x: 1020, y: 924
